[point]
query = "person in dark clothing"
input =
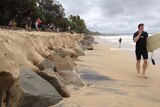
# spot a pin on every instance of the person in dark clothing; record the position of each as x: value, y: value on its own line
x: 28, y: 23
x: 120, y: 41
x: 140, y: 38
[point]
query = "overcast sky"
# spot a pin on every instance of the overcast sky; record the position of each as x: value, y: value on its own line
x: 116, y: 16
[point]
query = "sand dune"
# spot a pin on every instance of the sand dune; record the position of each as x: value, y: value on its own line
x: 29, y: 48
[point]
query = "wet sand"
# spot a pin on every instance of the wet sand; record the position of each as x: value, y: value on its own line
x: 111, y: 81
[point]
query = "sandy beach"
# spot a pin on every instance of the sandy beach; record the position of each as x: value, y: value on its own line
x: 76, y: 53
x: 111, y: 81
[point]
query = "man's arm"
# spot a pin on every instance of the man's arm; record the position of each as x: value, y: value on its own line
x: 135, y: 39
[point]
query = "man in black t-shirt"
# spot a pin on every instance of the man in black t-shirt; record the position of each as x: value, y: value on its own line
x: 140, y: 37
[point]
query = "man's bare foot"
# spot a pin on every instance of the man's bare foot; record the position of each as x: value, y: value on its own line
x: 139, y: 75
x: 144, y: 76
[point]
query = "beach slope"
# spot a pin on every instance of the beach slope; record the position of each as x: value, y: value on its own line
x: 111, y: 81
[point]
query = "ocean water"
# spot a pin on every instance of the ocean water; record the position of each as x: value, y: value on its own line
x: 128, y: 45
x: 127, y: 42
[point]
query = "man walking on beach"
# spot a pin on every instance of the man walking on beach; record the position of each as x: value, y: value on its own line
x: 140, y: 37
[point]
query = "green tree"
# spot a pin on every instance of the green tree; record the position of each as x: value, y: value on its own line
x: 52, y: 11
x: 4, y: 11
x: 80, y: 26
x: 18, y: 10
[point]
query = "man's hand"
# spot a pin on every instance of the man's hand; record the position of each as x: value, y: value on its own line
x: 138, y: 36
x: 140, y: 32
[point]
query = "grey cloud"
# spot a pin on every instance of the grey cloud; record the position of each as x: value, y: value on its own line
x: 116, y: 15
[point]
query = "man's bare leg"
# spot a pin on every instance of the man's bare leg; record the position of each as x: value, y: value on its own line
x: 144, y: 68
x: 138, y: 68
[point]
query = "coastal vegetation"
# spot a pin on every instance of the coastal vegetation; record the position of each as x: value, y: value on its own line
x: 49, y: 11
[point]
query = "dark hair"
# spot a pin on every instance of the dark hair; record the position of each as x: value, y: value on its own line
x: 141, y: 24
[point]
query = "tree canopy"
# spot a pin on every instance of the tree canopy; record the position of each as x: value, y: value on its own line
x: 78, y: 24
x: 50, y: 11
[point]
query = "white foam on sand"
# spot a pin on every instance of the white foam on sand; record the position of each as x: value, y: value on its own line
x: 121, y: 49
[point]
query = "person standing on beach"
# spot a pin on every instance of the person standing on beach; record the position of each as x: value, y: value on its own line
x: 140, y: 38
x: 120, y: 41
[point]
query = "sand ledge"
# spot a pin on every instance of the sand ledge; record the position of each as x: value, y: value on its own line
x: 29, y: 48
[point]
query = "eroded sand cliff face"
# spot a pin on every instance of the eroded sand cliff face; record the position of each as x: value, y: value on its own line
x: 19, y: 48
